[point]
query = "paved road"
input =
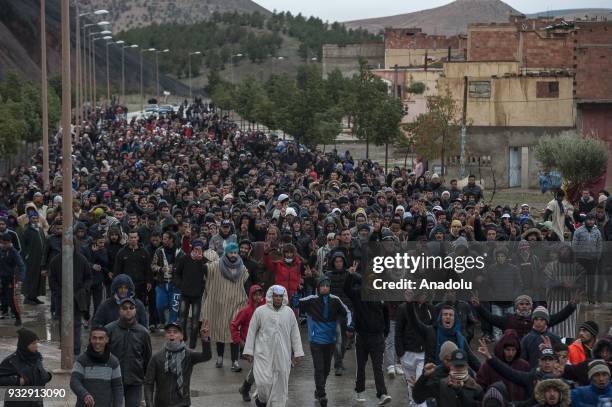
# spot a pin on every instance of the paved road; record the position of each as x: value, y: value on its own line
x: 209, y: 386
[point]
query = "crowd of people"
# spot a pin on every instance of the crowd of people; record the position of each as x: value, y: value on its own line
x: 216, y: 236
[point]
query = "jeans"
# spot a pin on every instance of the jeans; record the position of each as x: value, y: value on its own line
x: 195, y: 303
x: 372, y: 345
x: 167, y: 297
x: 390, y: 358
x: 132, y: 395
x: 412, y: 364
x: 321, y: 359
x: 234, y: 350
x: 341, y: 341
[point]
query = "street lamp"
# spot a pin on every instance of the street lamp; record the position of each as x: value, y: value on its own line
x: 123, y: 66
x: 107, y: 38
x: 190, y: 54
x: 142, y: 50
x: 93, y: 58
x: 157, y: 67
x: 232, y: 64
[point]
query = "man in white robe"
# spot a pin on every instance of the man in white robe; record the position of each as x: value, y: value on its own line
x: 272, y: 344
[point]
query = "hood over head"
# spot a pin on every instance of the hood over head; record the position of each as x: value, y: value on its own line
x: 509, y: 338
x: 252, y: 290
x: 276, y: 288
x: 122, y: 279
x: 558, y: 384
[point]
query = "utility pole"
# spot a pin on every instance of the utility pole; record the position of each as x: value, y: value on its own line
x: 67, y: 324
x: 77, y: 74
x: 43, y: 88
x: 463, y: 127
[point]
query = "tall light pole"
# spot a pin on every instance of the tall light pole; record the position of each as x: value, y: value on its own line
x: 189, y: 57
x: 93, y: 64
x: 79, y: 74
x: 123, y: 68
x: 108, y: 39
x: 43, y: 79
x: 67, y: 324
x: 232, y: 64
x: 157, y: 67
x: 142, y: 50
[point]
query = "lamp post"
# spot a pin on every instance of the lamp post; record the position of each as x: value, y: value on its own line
x: 108, y: 39
x: 80, y: 73
x: 157, y: 67
x: 93, y: 62
x: 45, y: 114
x: 123, y: 68
x: 67, y: 303
x: 190, y: 54
x: 142, y: 50
x: 232, y: 64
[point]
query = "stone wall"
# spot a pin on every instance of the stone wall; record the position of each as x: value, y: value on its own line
x: 346, y: 57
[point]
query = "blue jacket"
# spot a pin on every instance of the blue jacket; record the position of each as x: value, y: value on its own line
x: 9, y: 261
x: 323, y: 312
x: 530, y: 346
x: 588, y: 396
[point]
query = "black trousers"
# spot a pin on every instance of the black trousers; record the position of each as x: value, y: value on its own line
x: 94, y: 293
x: 372, y: 345
x: 195, y: 303
x: 149, y: 301
x: 132, y: 395
x: 234, y: 349
x: 321, y: 359
x: 9, y: 297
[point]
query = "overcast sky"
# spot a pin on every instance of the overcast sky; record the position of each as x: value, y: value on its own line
x: 343, y: 10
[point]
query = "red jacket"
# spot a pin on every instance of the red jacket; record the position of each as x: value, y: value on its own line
x: 576, y: 352
x: 239, y: 326
x: 287, y: 275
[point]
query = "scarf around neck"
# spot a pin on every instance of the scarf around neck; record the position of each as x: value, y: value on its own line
x: 175, y: 355
x: 231, y: 271
x: 98, y: 357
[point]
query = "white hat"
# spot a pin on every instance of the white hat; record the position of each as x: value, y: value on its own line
x: 228, y: 196
x: 437, y: 208
x: 505, y: 215
x: 282, y: 197
x: 399, y: 208
x: 290, y: 211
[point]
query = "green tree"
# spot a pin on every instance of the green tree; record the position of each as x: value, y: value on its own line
x: 435, y: 134
x: 578, y: 159
x: 12, y: 127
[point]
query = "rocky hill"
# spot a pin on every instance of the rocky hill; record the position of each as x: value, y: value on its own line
x: 450, y: 19
x: 126, y: 14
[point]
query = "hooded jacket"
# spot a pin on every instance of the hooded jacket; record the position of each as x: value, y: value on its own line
x: 580, y: 372
x: 240, y: 324
x: 407, y: 337
x: 287, y: 275
x: 371, y: 317
x: 132, y: 346
x: 108, y: 311
x: 557, y: 384
x: 338, y: 277
x: 487, y: 375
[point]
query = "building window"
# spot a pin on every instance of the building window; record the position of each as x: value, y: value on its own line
x: 547, y: 89
x: 479, y: 89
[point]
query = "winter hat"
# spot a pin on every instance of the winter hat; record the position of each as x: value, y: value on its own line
x: 598, y: 366
x: 231, y: 248
x: 447, y: 349
x: 197, y: 243
x: 26, y: 337
x: 493, y: 398
x: 557, y: 384
x: 324, y: 281
x: 523, y: 298
x: 541, y: 312
x: 591, y: 327
x: 456, y: 222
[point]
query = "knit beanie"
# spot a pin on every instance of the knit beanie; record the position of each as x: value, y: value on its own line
x: 598, y: 366
x: 591, y: 327
x: 541, y: 312
x: 231, y: 248
x: 523, y: 298
x: 447, y: 349
x: 26, y: 337
x: 493, y: 398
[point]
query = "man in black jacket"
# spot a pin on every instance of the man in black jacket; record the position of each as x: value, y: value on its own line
x: 371, y: 321
x: 169, y: 371
x: 134, y: 261
x: 190, y: 280
x: 97, y: 257
x: 81, y: 280
x: 410, y: 343
x: 131, y: 343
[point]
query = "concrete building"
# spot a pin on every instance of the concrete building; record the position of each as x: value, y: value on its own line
x: 410, y: 47
x: 346, y: 57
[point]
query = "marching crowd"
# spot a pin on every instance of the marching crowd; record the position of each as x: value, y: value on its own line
x: 221, y: 237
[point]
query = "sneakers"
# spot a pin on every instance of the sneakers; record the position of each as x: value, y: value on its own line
x: 391, y: 371
x: 384, y: 400
x: 360, y: 397
x: 244, y: 391
x: 323, y: 401
x: 236, y: 367
x: 398, y: 370
x: 219, y: 363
